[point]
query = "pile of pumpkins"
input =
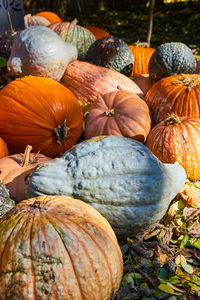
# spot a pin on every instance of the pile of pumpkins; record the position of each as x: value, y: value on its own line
x: 116, y: 127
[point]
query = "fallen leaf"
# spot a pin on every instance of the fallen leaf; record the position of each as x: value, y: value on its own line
x: 166, y: 288
x: 187, y: 267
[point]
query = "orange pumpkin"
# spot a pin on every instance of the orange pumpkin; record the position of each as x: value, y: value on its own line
x: 41, y: 112
x: 98, y: 32
x: 179, y: 94
x: 119, y: 113
x: 88, y: 81
x: 178, y: 139
x: 50, y: 16
x: 143, y: 81
x: 3, y: 148
x: 56, y: 247
x: 15, y: 168
x: 141, y: 58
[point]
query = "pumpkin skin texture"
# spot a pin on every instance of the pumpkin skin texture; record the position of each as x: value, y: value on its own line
x: 75, y: 34
x: 111, y: 52
x: 119, y: 113
x: 3, y: 149
x: 141, y: 57
x: 15, y: 168
x: 88, y: 81
x: 50, y: 16
x: 66, y: 250
x: 171, y: 59
x: 98, y: 32
x: 143, y: 81
x: 30, y: 20
x: 118, y: 176
x: 178, y: 139
x: 179, y: 94
x: 41, y: 112
x: 39, y: 51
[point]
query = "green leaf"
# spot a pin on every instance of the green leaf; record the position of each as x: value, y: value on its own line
x: 197, y: 184
x: 3, y: 62
x: 172, y: 298
x: 187, y: 267
x: 195, y: 244
x: 184, y: 241
x: 165, y: 288
x: 163, y: 274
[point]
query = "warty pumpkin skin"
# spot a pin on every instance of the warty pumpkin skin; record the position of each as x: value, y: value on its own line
x: 177, y: 139
x: 141, y: 57
x: 58, y: 248
x: 3, y: 148
x: 118, y: 176
x: 41, y: 112
x: 120, y: 113
x: 88, y: 81
x: 179, y: 94
x: 50, y: 16
x: 15, y: 168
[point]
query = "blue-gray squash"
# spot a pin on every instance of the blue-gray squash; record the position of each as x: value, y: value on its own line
x: 39, y: 51
x: 171, y: 59
x: 118, y: 176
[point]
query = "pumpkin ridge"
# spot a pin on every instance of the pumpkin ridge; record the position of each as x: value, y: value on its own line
x: 69, y: 254
x: 139, y: 122
x: 197, y: 103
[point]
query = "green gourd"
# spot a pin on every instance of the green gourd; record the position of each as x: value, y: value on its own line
x: 118, y: 176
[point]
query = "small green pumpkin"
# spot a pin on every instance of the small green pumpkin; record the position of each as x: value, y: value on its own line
x: 171, y: 59
x: 111, y: 52
x: 118, y: 176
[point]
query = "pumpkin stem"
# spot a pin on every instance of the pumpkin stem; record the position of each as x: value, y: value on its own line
x: 10, y: 22
x: 61, y: 132
x: 26, y: 157
x: 172, y: 119
x: 109, y: 112
x: 189, y: 80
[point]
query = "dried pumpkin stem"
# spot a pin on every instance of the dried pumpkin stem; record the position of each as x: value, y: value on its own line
x: 26, y: 157
x: 109, y: 112
x: 61, y: 132
x: 172, y: 119
x: 189, y: 80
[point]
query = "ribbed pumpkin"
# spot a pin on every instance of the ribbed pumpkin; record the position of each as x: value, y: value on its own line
x: 41, y: 112
x: 179, y: 94
x: 143, y: 81
x: 58, y: 248
x: 98, y: 32
x: 118, y: 113
x: 50, y: 16
x: 118, y: 176
x: 75, y: 35
x: 15, y: 168
x: 178, y: 139
x: 141, y: 57
x: 30, y: 20
x: 88, y: 81
x: 3, y: 148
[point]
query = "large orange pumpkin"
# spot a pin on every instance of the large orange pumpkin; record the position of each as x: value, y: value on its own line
x: 40, y: 112
x: 143, y: 81
x: 15, y: 168
x: 98, y: 32
x: 179, y: 94
x: 141, y: 58
x: 50, y: 16
x: 3, y: 148
x: 178, y: 139
x: 119, y: 113
x: 88, y: 81
x: 56, y: 247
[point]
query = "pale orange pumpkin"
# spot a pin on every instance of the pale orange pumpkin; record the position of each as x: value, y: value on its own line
x: 56, y: 247
x: 15, y: 168
x: 143, y: 81
x: 40, y: 112
x: 3, y: 148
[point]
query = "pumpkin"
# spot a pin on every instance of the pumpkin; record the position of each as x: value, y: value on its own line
x: 141, y: 57
x: 171, y: 59
x: 15, y: 168
x: 5, y: 202
x: 30, y: 20
x: 143, y: 81
x: 118, y: 176
x: 39, y: 51
x: 118, y: 113
x: 179, y: 94
x: 3, y: 148
x: 177, y: 139
x: 50, y: 16
x: 190, y: 194
x: 88, y: 81
x: 55, y: 247
x: 98, y: 32
x: 111, y: 52
x: 41, y: 112
x: 74, y: 34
